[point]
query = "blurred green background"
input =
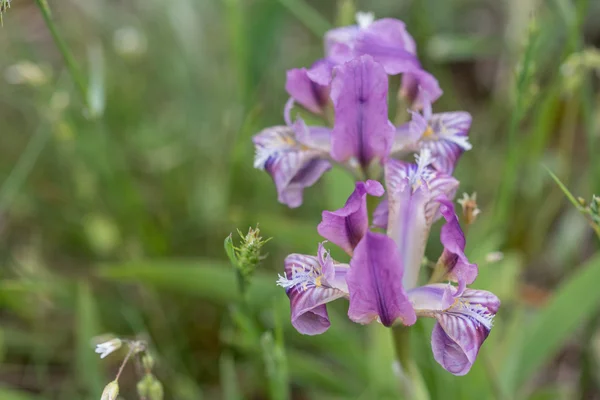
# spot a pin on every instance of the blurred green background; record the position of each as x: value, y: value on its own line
x: 114, y: 208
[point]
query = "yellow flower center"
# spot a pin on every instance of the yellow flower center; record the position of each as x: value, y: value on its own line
x: 428, y: 132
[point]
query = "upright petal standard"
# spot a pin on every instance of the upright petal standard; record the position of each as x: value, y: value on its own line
x: 361, y: 131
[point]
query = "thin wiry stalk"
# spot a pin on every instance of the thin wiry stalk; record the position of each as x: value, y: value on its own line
x: 71, y: 63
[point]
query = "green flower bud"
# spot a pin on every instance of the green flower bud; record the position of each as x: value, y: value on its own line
x: 148, y: 362
x: 111, y: 391
x: 247, y: 256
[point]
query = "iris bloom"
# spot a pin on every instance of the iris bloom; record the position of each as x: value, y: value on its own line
x: 352, y: 81
x: 296, y: 155
x: 380, y: 282
x: 386, y: 40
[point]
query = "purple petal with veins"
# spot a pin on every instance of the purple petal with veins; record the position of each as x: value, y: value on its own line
x: 310, y: 88
x: 375, y: 283
x: 461, y: 327
x: 347, y: 226
x: 412, y: 190
x: 361, y: 130
x: 310, y: 283
x: 454, y: 260
x: 292, y: 165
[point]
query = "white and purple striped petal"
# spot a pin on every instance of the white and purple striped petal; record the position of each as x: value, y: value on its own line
x: 292, y: 165
x: 412, y: 209
x: 375, y: 283
x: 310, y: 283
x: 361, y: 130
x: 447, y: 138
x: 453, y: 259
x: 462, y: 326
x: 347, y: 226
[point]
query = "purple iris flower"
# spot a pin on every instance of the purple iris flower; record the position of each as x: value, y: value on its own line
x: 381, y: 281
x: 444, y: 134
x: 296, y: 155
x: 388, y: 42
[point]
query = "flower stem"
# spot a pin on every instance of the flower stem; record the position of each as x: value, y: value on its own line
x: 127, y: 357
x: 70, y: 61
x: 413, y: 385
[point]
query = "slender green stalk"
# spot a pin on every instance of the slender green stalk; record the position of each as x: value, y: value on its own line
x: 509, y: 179
x: 72, y: 66
x: 24, y: 165
x: 414, y: 387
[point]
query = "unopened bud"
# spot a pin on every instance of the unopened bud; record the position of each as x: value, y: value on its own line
x: 581, y: 201
x: 469, y: 208
x: 247, y: 256
x: 111, y: 391
x: 150, y: 388
x: 148, y: 362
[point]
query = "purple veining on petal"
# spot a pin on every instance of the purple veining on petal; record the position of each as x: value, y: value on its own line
x: 411, y: 190
x: 454, y: 260
x: 346, y: 227
x: 361, y: 129
x: 415, y: 84
x: 310, y: 283
x: 375, y: 283
x: 292, y: 165
x: 310, y: 88
x: 461, y: 328
x: 448, y: 138
x: 388, y: 42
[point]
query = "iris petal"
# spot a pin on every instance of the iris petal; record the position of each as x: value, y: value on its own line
x: 347, y: 226
x: 375, y: 283
x: 292, y: 165
x: 361, y: 130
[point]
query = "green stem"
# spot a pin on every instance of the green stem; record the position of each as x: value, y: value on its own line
x: 414, y: 387
x: 70, y: 61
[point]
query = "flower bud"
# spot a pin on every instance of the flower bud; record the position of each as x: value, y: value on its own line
x: 247, y: 256
x: 148, y: 362
x: 469, y: 208
x: 111, y: 391
x: 150, y: 388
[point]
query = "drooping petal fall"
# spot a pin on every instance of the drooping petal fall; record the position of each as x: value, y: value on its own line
x: 347, y: 226
x: 461, y: 327
x: 453, y: 259
x: 292, y: 165
x: 361, y: 130
x: 412, y: 190
x: 375, y: 283
x: 310, y: 283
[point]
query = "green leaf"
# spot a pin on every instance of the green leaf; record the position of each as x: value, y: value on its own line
x: 230, y: 251
x: 576, y: 301
x: 10, y: 394
x: 213, y: 280
x: 87, y: 327
x: 229, y: 382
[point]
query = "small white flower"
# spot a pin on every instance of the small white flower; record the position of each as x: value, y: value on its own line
x: 106, y: 348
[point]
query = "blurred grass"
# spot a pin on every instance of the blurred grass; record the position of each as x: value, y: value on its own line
x: 116, y: 223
